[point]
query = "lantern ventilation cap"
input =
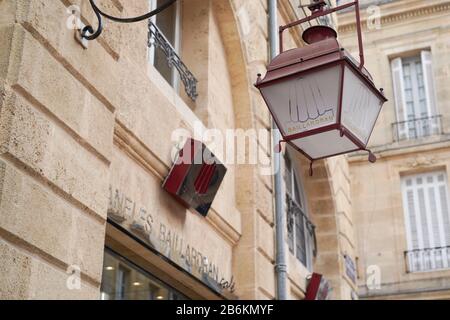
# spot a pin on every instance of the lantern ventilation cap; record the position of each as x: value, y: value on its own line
x: 318, y: 33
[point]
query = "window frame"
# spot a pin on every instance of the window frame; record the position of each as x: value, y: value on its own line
x: 416, y: 100
x: 408, y: 128
x: 296, y: 193
x: 175, y: 77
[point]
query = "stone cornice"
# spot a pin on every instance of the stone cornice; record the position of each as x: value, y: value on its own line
x: 404, y: 149
x: 401, y: 16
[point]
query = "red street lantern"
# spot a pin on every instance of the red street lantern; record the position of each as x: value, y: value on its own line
x: 323, y: 101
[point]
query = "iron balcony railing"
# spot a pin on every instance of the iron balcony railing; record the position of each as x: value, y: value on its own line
x: 417, y: 128
x: 294, y: 210
x: 157, y: 39
x: 431, y: 259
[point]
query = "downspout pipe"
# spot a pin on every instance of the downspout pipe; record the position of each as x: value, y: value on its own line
x: 280, y: 264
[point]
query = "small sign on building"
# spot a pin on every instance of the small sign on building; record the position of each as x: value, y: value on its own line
x: 318, y: 288
x: 350, y: 268
x: 195, y: 177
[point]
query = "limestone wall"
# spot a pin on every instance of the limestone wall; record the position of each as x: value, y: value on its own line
x: 77, y: 126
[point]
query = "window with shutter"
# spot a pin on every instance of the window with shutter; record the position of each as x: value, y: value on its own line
x: 300, y: 240
x: 290, y: 211
x: 427, y: 221
x: 415, y: 98
x: 300, y: 229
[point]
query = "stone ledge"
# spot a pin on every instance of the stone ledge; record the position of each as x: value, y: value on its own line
x: 390, y: 151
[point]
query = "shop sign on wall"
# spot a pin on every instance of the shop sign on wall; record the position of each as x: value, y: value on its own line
x: 148, y: 227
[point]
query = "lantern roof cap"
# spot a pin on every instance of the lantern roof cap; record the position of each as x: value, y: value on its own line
x: 309, y: 57
x: 306, y: 53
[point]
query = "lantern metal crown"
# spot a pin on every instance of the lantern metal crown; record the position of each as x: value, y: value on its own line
x: 323, y: 101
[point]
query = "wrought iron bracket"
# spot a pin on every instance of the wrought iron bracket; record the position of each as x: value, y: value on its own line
x: 317, y: 10
x: 88, y: 32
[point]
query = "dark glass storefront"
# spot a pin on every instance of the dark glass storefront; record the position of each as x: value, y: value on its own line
x: 123, y: 280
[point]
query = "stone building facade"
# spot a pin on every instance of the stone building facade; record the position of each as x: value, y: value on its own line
x: 86, y: 136
x: 400, y: 204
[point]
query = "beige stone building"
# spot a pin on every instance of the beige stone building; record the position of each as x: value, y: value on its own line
x: 400, y: 204
x: 86, y: 141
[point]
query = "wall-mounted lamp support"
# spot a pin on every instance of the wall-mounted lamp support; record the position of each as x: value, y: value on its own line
x: 88, y: 32
x: 317, y: 10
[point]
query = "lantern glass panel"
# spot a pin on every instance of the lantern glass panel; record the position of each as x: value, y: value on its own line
x: 306, y: 101
x: 360, y: 106
x: 325, y: 144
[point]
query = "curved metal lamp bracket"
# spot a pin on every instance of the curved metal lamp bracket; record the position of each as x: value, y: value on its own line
x: 317, y: 10
x: 88, y: 32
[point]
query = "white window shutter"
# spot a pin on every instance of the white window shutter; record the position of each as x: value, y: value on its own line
x: 427, y: 65
x: 443, y: 193
x: 412, y: 235
x: 399, y: 94
x: 429, y: 81
x: 411, y: 219
x: 427, y: 221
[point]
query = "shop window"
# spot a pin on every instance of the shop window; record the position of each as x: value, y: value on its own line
x: 415, y: 98
x: 427, y: 220
x: 301, y: 233
x: 123, y: 280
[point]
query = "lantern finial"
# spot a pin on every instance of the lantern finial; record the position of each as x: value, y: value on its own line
x: 317, y: 5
